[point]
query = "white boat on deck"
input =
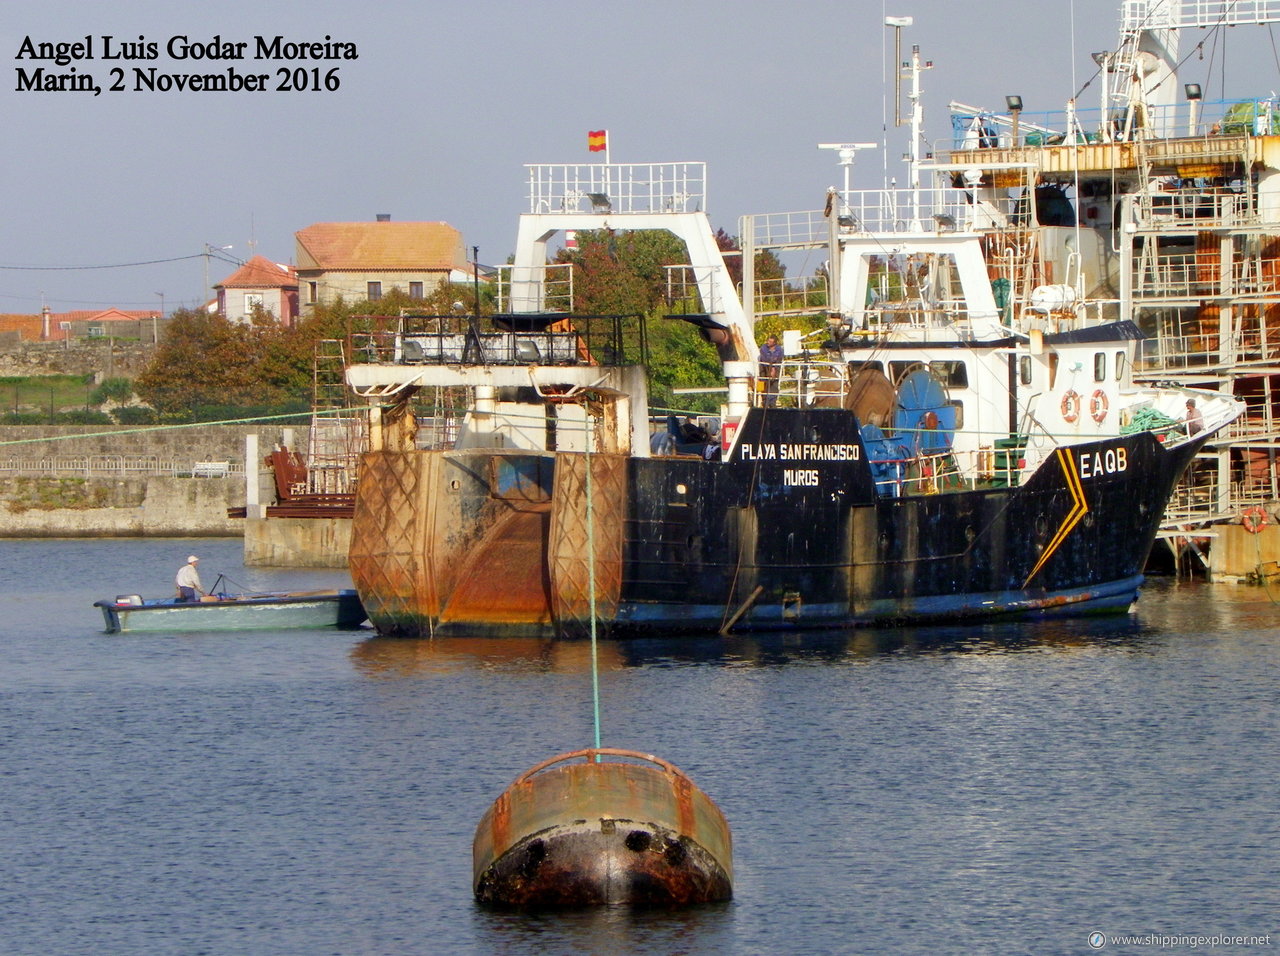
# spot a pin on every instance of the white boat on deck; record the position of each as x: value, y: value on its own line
x: 234, y: 612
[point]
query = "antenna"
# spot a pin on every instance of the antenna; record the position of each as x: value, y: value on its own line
x: 897, y: 23
x: 847, y: 151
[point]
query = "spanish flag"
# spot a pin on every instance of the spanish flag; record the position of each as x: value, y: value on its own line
x: 596, y: 140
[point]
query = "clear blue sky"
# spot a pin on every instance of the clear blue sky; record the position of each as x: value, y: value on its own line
x: 447, y: 101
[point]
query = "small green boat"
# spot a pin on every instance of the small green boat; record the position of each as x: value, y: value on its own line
x: 234, y: 612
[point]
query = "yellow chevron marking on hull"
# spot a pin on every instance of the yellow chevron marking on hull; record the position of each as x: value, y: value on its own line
x: 1079, y: 509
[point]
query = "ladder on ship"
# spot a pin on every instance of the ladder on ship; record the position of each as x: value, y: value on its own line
x: 338, y: 432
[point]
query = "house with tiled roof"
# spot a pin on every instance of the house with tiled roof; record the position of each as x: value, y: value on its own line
x: 143, y: 325
x: 17, y: 327
x: 365, y: 260
x: 259, y: 284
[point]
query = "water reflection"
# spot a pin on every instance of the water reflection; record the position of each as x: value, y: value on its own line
x: 609, y: 929
x: 402, y: 657
x: 1168, y: 608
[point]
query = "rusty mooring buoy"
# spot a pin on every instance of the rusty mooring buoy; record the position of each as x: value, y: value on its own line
x: 602, y: 825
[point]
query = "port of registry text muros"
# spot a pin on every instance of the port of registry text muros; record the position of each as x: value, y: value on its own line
x: 66, y: 75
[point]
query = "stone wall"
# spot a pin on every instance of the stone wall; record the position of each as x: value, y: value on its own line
x: 104, y: 356
x: 194, y: 443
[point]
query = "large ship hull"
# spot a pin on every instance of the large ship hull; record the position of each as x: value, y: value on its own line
x: 791, y: 531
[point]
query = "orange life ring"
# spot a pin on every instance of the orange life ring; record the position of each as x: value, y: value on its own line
x: 1070, y: 406
x: 1098, y: 405
x: 1254, y: 520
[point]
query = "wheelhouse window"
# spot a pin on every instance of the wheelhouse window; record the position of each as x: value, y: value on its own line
x: 922, y: 289
x: 1099, y: 366
x: 951, y: 374
x: 1119, y: 369
x: 1024, y: 369
x: 899, y: 370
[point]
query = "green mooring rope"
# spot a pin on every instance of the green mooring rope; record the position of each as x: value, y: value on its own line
x: 591, y: 589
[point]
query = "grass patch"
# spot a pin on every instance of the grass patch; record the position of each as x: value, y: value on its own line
x: 44, y: 395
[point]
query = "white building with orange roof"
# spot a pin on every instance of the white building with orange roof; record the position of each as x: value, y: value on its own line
x: 259, y: 284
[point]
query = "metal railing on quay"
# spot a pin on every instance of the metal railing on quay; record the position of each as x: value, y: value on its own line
x: 119, y: 466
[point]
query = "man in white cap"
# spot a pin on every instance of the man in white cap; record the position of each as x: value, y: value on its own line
x: 189, y: 580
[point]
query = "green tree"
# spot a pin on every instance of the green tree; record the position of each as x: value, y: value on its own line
x: 112, y: 389
x: 622, y: 273
x: 205, y: 360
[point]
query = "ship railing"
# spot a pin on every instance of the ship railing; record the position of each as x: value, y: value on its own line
x: 926, y: 210
x: 801, y: 295
x: 803, y: 382
x: 1167, y: 352
x: 617, y: 189
x: 684, y: 289
x: 528, y: 339
x: 1204, y: 208
x: 1206, y: 350
x: 105, y: 466
x: 935, y: 209
x: 549, y: 287
x: 918, y: 313
x: 1193, y: 275
x: 489, y: 348
x: 1171, y: 275
x: 439, y: 432
x: 935, y: 471
x: 981, y: 136
x: 1252, y: 489
x: 788, y: 230
x: 1137, y: 14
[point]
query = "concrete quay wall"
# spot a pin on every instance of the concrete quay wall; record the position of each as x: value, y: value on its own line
x: 297, y: 542
x: 166, y: 507
x: 42, y: 497
x: 155, y: 506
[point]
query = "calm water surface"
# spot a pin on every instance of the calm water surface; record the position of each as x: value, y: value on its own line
x: 994, y: 789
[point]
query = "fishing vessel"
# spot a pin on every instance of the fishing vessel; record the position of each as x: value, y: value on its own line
x: 977, y: 429
x: 934, y: 457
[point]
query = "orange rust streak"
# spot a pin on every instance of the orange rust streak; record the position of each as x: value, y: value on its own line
x: 505, y: 579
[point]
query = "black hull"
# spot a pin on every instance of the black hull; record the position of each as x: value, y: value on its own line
x: 793, y: 532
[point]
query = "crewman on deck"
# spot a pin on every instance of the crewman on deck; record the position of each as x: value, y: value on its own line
x: 188, y: 580
x: 771, y: 356
x: 1193, y: 418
